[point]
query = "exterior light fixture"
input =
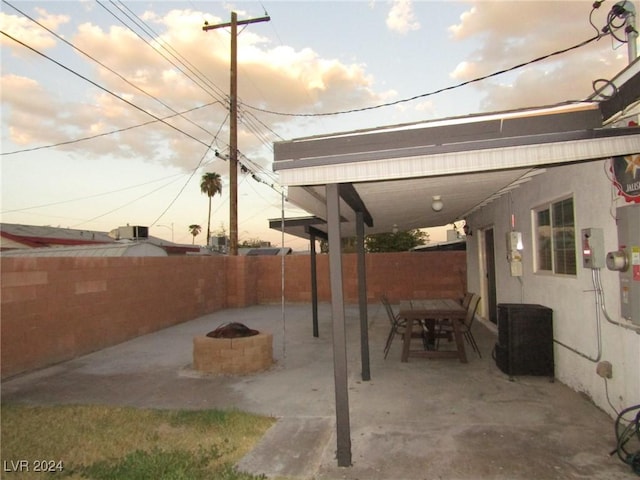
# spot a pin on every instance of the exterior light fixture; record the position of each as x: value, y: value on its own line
x: 394, y: 229
x: 436, y: 204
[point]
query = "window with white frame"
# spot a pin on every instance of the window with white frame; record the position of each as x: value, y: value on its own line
x: 555, y: 238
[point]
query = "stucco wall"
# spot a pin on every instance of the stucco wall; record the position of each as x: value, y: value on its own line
x: 54, y: 309
x: 572, y: 298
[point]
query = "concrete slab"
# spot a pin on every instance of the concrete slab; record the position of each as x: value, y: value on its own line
x: 425, y: 419
x: 279, y: 454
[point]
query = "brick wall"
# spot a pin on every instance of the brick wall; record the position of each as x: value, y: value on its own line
x: 56, y: 308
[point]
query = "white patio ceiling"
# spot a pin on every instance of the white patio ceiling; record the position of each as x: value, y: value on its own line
x: 467, y: 161
x: 406, y: 203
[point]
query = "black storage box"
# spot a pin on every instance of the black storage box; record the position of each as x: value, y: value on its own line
x: 525, y: 339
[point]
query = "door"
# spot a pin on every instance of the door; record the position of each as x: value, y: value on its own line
x: 490, y: 268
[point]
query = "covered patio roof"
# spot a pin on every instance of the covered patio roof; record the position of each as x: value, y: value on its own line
x: 468, y: 161
x: 386, y: 178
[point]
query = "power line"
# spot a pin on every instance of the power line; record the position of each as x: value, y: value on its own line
x: 104, y: 89
x: 105, y: 66
x: 87, y: 197
x: 428, y: 94
x: 214, y: 91
x: 123, y: 205
x: 248, y: 119
x: 104, y: 134
x: 193, y: 172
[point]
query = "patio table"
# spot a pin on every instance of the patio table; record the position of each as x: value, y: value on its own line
x: 433, y: 311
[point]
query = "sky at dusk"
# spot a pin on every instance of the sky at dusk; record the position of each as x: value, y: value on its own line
x: 112, y: 110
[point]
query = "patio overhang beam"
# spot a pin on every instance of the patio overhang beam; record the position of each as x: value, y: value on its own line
x: 299, y: 226
x: 316, y: 233
x: 350, y: 196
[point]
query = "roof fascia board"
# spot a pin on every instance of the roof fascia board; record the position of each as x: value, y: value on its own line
x: 460, y: 147
x: 459, y: 134
x: 467, y: 161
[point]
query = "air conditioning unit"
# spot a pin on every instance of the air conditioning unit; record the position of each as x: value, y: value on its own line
x: 132, y: 232
x: 219, y: 241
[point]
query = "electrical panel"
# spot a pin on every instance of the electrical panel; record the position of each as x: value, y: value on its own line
x: 593, y: 248
x: 626, y: 260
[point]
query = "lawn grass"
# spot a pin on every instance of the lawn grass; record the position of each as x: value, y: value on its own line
x: 100, y: 442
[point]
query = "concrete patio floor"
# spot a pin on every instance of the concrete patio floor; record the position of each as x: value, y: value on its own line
x: 425, y: 419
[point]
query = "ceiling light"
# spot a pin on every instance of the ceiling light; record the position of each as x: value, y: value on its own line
x: 436, y: 203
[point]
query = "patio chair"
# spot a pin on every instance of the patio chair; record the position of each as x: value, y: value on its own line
x: 397, y: 324
x: 445, y: 329
x: 468, y: 321
x: 466, y: 299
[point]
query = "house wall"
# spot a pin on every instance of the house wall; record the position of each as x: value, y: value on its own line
x: 572, y: 298
x: 56, y: 308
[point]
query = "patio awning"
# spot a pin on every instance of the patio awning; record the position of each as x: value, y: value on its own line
x: 386, y: 178
x: 467, y: 161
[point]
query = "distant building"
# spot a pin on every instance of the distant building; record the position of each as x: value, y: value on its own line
x: 115, y: 249
x: 21, y: 237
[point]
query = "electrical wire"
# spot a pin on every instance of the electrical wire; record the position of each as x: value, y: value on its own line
x: 104, y: 89
x: 617, y: 12
x: 104, y: 134
x: 214, y: 90
x: 121, y: 77
x: 249, y: 125
x: 87, y: 197
x: 598, y: 328
x: 193, y: 172
x: 123, y: 205
x: 434, y: 92
x: 626, y: 433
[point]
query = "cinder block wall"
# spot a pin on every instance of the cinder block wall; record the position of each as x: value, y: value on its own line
x: 398, y: 275
x: 55, y: 309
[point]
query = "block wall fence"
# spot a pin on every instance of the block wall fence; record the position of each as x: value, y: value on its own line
x: 57, y: 308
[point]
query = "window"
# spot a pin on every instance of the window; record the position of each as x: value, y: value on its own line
x: 555, y: 238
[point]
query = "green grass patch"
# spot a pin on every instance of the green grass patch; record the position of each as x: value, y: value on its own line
x: 103, y: 443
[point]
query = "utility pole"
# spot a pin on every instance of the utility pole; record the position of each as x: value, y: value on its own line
x: 233, y: 124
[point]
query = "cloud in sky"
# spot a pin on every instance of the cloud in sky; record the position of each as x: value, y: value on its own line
x: 401, y: 18
x: 273, y: 77
x: 316, y: 65
x: 511, y: 33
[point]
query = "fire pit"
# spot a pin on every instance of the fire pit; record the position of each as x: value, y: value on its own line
x: 233, y: 349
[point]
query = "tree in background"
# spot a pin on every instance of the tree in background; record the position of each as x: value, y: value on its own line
x: 254, y: 243
x: 195, y: 231
x: 395, y: 242
x: 210, y: 184
x: 383, y: 242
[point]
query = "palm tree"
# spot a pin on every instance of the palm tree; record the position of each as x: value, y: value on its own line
x: 210, y: 184
x: 195, y: 231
